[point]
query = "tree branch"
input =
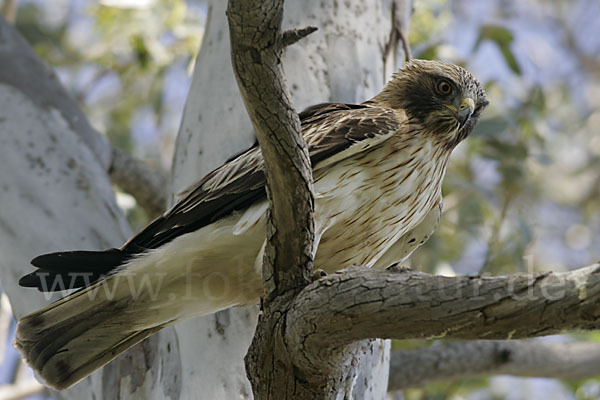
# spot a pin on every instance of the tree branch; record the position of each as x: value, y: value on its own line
x: 418, y: 367
x: 256, y: 48
x: 400, y: 304
x: 134, y: 177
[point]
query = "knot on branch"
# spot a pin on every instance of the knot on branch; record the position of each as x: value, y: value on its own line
x: 291, y: 36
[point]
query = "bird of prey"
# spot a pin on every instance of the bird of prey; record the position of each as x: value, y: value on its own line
x: 378, y: 169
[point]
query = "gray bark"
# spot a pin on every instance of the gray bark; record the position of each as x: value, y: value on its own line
x: 56, y: 193
x: 44, y: 90
x: 214, y: 127
x: 360, y: 303
x: 257, y: 44
x: 456, y: 360
x: 328, y: 316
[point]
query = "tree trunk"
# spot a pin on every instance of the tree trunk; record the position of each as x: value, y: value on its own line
x: 54, y: 189
x: 343, y: 61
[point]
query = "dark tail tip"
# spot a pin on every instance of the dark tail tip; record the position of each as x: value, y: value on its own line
x: 71, y: 269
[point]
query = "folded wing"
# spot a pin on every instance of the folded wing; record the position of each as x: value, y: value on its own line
x: 333, y: 131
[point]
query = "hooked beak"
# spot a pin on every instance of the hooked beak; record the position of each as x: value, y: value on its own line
x: 465, y: 110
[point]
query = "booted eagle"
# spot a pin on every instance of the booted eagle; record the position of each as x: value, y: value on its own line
x: 378, y: 169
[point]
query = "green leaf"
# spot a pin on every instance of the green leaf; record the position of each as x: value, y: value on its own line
x: 503, y: 38
x: 141, y: 51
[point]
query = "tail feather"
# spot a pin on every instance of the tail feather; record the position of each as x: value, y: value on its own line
x: 62, y: 367
x: 68, y: 340
x: 140, y: 294
x: 72, y: 269
x: 85, y: 261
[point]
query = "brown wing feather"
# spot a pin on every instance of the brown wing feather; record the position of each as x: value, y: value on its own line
x: 329, y: 129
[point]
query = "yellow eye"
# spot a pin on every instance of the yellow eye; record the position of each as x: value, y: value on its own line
x: 444, y: 88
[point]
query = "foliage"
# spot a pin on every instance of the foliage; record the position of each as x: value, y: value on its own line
x: 521, y: 193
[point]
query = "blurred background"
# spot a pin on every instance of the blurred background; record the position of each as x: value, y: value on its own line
x: 522, y: 194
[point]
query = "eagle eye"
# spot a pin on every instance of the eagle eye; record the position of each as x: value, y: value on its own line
x: 444, y: 87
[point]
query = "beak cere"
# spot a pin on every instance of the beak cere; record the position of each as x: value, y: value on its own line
x: 465, y: 110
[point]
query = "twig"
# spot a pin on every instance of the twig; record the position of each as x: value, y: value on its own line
x: 291, y: 36
x: 494, y: 240
x: 399, y: 32
x: 405, y: 45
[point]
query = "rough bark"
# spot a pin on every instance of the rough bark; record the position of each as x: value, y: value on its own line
x: 257, y: 44
x: 54, y: 175
x: 403, y: 304
x: 455, y: 360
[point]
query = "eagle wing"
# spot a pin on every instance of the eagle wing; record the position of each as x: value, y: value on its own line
x: 333, y: 131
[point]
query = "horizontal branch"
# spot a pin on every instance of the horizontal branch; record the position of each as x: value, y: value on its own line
x: 148, y: 187
x: 418, y: 367
x: 359, y: 303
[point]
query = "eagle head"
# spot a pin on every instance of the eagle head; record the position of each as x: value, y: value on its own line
x: 442, y: 99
